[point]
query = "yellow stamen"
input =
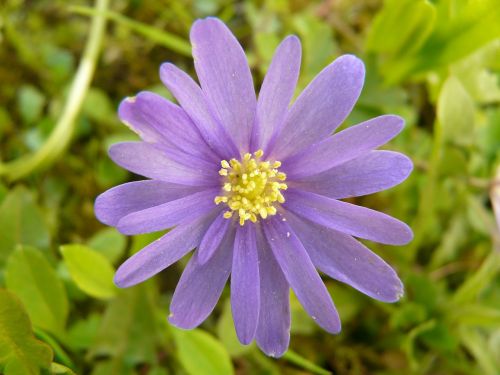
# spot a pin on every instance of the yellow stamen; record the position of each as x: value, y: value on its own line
x: 251, y: 187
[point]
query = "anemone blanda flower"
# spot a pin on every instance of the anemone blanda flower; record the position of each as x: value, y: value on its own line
x: 255, y: 186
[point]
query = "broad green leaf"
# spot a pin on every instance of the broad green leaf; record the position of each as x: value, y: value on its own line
x: 90, y: 270
x: 81, y: 335
x: 21, y: 223
x: 110, y: 243
x: 30, y: 103
x: 31, y: 277
x: 201, y: 354
x: 455, y: 112
x: 129, y: 331
x: 20, y: 352
x: 477, y: 74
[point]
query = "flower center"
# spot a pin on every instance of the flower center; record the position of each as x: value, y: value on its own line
x: 251, y: 187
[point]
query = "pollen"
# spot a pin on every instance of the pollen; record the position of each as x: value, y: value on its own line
x: 251, y: 188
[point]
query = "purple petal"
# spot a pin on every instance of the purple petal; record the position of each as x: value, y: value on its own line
x: 168, y: 214
x: 131, y: 116
x: 300, y: 273
x: 277, y: 91
x: 343, y: 258
x: 212, y: 238
x: 348, y: 218
x: 156, y: 119
x: 225, y: 77
x: 193, y: 101
x: 273, y: 331
x: 163, y: 252
x: 322, y: 107
x: 124, y: 199
x: 201, y: 285
x: 245, y: 284
x: 147, y: 160
x: 343, y: 146
x: 372, y: 172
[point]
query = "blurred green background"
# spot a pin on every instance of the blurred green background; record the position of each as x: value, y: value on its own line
x: 435, y: 63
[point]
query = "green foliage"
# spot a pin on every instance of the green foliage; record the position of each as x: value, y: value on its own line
x: 91, y: 271
x: 21, y: 222
x: 31, y: 277
x: 436, y: 63
x: 211, y: 356
x: 20, y: 352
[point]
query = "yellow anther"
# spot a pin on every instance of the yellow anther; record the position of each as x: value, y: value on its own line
x: 251, y: 187
x: 281, y: 176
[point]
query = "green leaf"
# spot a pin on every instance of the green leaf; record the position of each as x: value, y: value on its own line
x: 58, y: 369
x: 475, y: 284
x: 128, y: 331
x: 401, y: 27
x: 455, y: 112
x: 110, y: 243
x: 30, y: 276
x: 21, y: 223
x: 20, y: 352
x: 476, y: 343
x: 211, y: 356
x: 318, y: 42
x: 90, y: 270
x: 457, y: 34
x: 227, y: 333
x: 81, y: 335
x: 30, y: 102
x: 304, y: 363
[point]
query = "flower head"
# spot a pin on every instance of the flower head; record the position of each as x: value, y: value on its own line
x: 255, y: 186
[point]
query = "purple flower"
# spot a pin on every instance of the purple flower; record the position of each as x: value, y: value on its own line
x: 255, y: 186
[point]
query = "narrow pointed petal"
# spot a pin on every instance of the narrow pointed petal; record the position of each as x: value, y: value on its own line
x: 348, y: 218
x: 163, y: 252
x: 343, y: 258
x: 148, y: 161
x: 344, y: 146
x: 367, y: 174
x: 135, y: 196
x: 193, y: 101
x: 273, y: 331
x: 201, y: 286
x: 277, y: 90
x: 156, y: 119
x: 131, y: 116
x: 168, y: 214
x: 245, y: 284
x: 225, y: 77
x: 301, y: 274
x: 322, y: 107
x: 212, y: 238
